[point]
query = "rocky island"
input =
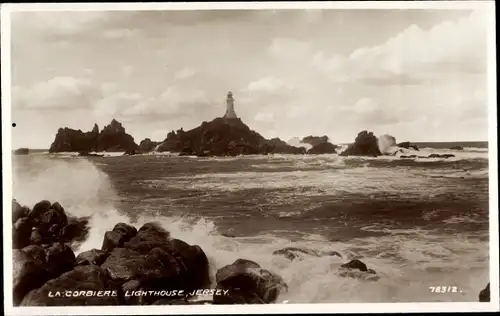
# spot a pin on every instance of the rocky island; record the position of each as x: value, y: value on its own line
x: 224, y: 136
x: 112, y: 138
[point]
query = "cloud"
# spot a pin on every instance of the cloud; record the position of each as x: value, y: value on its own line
x: 118, y: 33
x: 175, y: 102
x: 127, y: 70
x: 185, y: 73
x: 268, y: 85
x: 58, y: 93
x: 408, y: 58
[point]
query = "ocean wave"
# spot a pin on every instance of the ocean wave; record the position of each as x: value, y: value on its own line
x: 408, y: 262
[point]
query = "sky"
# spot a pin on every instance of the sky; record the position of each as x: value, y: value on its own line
x: 415, y: 74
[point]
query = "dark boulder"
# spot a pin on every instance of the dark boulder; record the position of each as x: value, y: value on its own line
x: 28, y: 272
x: 38, y: 210
x: 323, y: 148
x: 247, y: 283
x: 358, y: 269
x: 60, y: 258
x: 94, y: 256
x: 149, y: 236
x: 21, y: 233
x: 123, y: 264
x: 52, y: 217
x: 484, y: 295
x: 18, y: 211
x: 76, y: 229
x: 365, y: 144
x: 84, y: 286
x: 355, y: 265
x: 120, y: 234
x: 37, y: 238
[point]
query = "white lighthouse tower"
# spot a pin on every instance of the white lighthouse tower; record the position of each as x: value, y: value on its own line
x: 230, y: 114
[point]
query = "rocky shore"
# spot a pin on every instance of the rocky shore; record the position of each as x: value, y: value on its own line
x: 145, y: 266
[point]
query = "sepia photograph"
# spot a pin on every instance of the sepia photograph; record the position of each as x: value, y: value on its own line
x: 279, y: 157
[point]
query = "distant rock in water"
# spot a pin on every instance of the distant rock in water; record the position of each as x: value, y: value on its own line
x: 323, y: 148
x: 112, y: 138
x: 147, y: 145
x: 457, y: 148
x: 224, y: 137
x: 357, y: 269
x: 407, y: 145
x: 292, y: 253
x: 315, y: 140
x: 365, y: 144
x: 21, y: 151
x: 445, y: 156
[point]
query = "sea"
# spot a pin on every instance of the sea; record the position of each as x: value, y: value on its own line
x: 419, y: 223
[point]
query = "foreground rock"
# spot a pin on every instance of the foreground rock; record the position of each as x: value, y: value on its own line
x: 293, y: 253
x: 112, y: 138
x: 247, y: 283
x: 365, y: 144
x: 224, y: 137
x: 484, y: 295
x: 358, y: 270
x: 44, y: 224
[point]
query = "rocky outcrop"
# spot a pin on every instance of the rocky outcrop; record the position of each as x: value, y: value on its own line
x: 323, y: 148
x: 247, y: 283
x: 112, y: 138
x: 365, y: 144
x: 315, y: 140
x: 46, y: 223
x: 21, y: 151
x: 457, y: 148
x: 293, y: 253
x: 407, y: 145
x: 224, y: 137
x: 147, y: 145
x: 144, y: 260
x: 484, y: 295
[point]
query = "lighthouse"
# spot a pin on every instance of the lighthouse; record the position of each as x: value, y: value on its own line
x: 230, y: 114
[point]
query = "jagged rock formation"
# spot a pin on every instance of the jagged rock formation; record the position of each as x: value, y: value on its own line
x: 315, y: 140
x: 323, y: 148
x: 147, y: 145
x: 365, y: 144
x: 112, y: 138
x: 224, y: 137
